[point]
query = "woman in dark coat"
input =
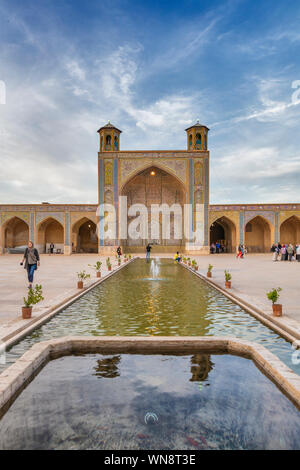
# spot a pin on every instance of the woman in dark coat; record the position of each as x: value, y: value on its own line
x: 32, y: 261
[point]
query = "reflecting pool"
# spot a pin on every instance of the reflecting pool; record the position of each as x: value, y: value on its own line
x: 156, y: 298
x: 151, y: 402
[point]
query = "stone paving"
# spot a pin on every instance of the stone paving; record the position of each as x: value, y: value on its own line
x: 252, y: 277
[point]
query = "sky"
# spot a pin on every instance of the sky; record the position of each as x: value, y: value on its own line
x: 152, y: 68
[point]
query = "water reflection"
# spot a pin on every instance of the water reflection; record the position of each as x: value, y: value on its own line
x: 150, y: 402
x: 201, y: 365
x: 107, y: 368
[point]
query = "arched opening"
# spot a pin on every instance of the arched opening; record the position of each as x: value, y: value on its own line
x: 84, y: 236
x: 198, y: 141
x: 190, y: 141
x: 258, y: 235
x: 16, y: 234
x: 223, y: 231
x: 290, y: 231
x: 108, y: 142
x: 150, y: 187
x: 116, y: 143
x: 50, y: 231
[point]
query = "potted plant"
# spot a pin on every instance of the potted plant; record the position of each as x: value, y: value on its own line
x: 108, y: 264
x: 97, y: 268
x: 194, y: 265
x: 119, y: 261
x: 82, y: 276
x: 34, y: 296
x: 227, y: 279
x: 189, y: 261
x: 273, y: 295
x: 209, y: 270
x: 184, y: 260
x: 129, y: 257
x: 125, y: 258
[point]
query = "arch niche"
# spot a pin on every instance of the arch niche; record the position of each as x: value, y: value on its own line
x: 50, y: 231
x: 155, y: 185
x: 84, y: 236
x: 290, y: 231
x: 16, y: 233
x: 223, y: 230
x: 258, y: 235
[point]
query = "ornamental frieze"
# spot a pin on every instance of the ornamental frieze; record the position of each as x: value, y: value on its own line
x: 9, y: 215
x: 41, y: 216
x: 249, y: 215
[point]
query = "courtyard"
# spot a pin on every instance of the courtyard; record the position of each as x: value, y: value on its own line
x: 252, y: 277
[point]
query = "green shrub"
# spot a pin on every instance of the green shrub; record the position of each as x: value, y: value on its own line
x: 210, y: 266
x: 82, y: 275
x: 227, y: 276
x: 96, y: 266
x: 34, y: 296
x: 273, y: 295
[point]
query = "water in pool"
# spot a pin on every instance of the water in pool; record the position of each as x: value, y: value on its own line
x: 151, y: 402
x: 156, y: 298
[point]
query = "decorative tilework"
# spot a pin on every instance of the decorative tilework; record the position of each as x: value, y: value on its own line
x: 67, y: 228
x: 191, y: 197
x: 206, y: 202
x: 241, y: 228
x: 116, y: 196
x: 32, y: 226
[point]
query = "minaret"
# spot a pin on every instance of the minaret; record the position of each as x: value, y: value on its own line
x: 197, y: 137
x: 109, y: 138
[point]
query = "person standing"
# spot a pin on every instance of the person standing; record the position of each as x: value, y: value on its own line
x: 298, y: 253
x: 283, y: 252
x: 275, y: 253
x: 119, y: 251
x: 148, y: 251
x: 51, y: 248
x: 32, y: 261
x: 290, y: 250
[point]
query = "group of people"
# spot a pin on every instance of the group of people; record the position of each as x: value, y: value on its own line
x: 217, y: 248
x: 285, y: 252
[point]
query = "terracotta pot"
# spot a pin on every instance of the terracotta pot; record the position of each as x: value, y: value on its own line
x: 80, y: 284
x: 109, y: 268
x: 26, y: 312
x: 189, y: 264
x: 277, y: 310
x: 228, y: 284
x: 98, y: 274
x: 208, y: 274
x: 196, y: 268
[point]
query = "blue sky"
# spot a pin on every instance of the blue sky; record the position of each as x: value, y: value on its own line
x: 152, y: 68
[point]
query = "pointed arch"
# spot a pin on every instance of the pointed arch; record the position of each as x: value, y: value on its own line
x: 84, y: 236
x: 154, y: 184
x: 223, y: 230
x: 149, y: 166
x: 258, y: 235
x: 289, y: 230
x: 15, y: 233
x: 48, y: 231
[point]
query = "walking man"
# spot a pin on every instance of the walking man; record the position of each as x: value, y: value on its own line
x: 32, y: 261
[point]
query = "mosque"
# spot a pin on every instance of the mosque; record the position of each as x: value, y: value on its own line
x: 150, y: 177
